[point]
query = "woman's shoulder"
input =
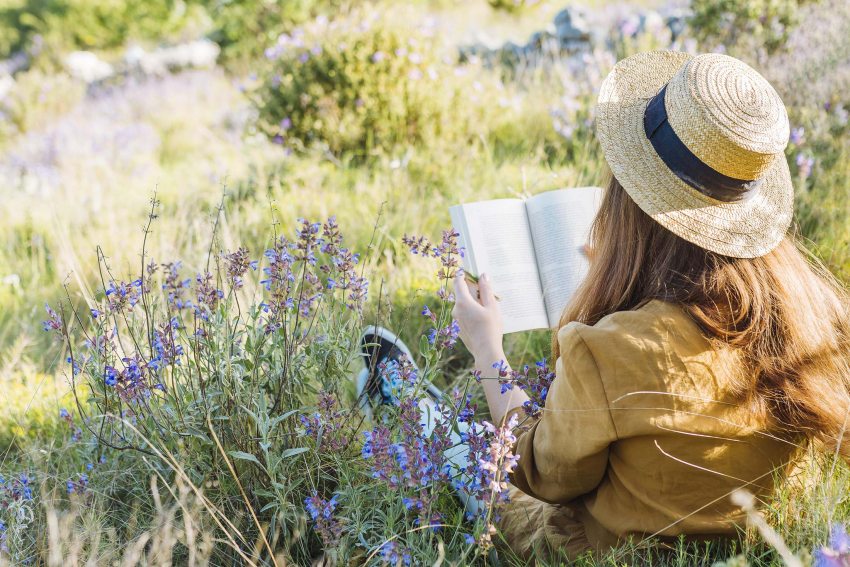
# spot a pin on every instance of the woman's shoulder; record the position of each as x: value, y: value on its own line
x: 655, y: 322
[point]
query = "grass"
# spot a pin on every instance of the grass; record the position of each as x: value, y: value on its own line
x: 78, y: 178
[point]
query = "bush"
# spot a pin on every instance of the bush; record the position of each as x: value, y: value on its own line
x: 35, y: 99
x: 362, y: 85
x: 90, y: 24
x: 766, y: 23
x: 242, y: 388
x: 244, y: 28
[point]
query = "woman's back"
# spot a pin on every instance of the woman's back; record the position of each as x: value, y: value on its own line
x: 684, y: 441
x: 645, y: 432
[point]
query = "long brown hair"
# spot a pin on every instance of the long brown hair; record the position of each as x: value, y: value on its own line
x: 784, y: 310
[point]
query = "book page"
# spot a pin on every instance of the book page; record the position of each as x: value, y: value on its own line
x: 560, y: 224
x: 497, y: 240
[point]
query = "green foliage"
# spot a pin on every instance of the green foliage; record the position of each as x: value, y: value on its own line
x: 820, y: 164
x: 89, y: 24
x: 513, y: 6
x: 244, y: 28
x: 763, y: 22
x: 35, y: 99
x: 245, y: 391
x: 435, y: 143
x: 369, y: 84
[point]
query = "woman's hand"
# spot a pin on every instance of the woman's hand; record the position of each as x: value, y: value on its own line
x: 479, y: 319
x: 481, y: 331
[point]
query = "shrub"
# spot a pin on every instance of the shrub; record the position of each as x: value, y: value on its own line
x: 766, y: 23
x: 370, y: 84
x: 35, y: 99
x: 240, y: 385
x: 245, y: 28
x: 90, y: 24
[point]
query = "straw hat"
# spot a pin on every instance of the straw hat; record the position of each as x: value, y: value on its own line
x: 698, y: 143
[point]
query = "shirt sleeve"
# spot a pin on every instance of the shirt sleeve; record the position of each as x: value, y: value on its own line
x: 564, y: 454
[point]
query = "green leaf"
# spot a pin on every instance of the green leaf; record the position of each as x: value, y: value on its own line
x: 197, y: 433
x: 292, y: 452
x: 243, y: 456
x: 269, y: 506
x: 281, y: 417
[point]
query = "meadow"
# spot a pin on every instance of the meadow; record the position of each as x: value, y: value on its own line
x: 179, y: 308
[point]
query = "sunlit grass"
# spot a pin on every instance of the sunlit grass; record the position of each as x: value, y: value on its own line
x: 82, y: 174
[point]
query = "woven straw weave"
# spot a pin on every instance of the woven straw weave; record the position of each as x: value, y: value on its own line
x: 730, y: 118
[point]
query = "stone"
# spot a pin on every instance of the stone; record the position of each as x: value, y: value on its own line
x: 87, y: 67
x: 7, y: 83
x: 571, y: 30
x: 200, y: 54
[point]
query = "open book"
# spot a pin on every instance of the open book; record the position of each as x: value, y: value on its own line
x: 532, y: 250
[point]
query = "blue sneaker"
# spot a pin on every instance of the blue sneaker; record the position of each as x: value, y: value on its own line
x: 381, y: 346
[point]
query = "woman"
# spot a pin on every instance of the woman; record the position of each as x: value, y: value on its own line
x: 703, y: 347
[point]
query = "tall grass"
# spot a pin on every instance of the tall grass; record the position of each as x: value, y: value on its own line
x: 76, y: 176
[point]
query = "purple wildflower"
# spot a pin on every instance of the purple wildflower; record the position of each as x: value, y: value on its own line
x: 491, y: 460
x: 237, y: 264
x: 396, y: 376
x: 428, y: 313
x: 75, y: 365
x: 837, y: 553
x: 207, y: 295
x: 53, y: 322
x: 175, y: 287
x: 321, y: 512
x: 805, y: 163
x: 78, y: 486
x: 394, y: 554
x: 328, y: 425
x: 167, y: 350
x: 123, y: 295
x: 340, y: 270
x: 445, y: 338
x: 110, y: 376
x: 537, y: 386
x: 15, y: 489
x: 798, y: 135
x: 279, y: 282
x: 417, y: 245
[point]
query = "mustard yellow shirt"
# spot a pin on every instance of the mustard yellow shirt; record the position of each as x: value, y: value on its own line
x: 642, y: 433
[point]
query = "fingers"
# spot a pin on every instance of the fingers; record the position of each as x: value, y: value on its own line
x: 461, y: 288
x: 485, y: 291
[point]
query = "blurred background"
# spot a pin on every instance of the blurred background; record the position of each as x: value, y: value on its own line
x: 382, y: 114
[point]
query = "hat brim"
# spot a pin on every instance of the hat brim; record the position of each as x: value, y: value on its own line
x: 745, y: 229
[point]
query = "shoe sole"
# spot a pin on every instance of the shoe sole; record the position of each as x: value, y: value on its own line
x: 396, y: 341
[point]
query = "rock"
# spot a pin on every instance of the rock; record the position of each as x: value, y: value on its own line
x: 652, y: 22
x: 666, y: 28
x: 7, y: 83
x: 200, y: 54
x: 677, y: 22
x: 87, y: 67
x: 570, y: 28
